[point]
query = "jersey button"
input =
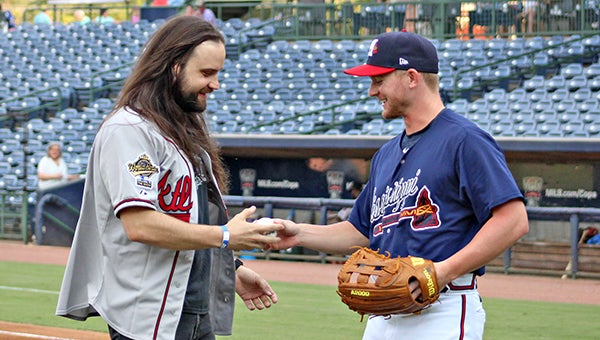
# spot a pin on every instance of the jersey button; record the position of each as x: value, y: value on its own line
x: 402, y: 161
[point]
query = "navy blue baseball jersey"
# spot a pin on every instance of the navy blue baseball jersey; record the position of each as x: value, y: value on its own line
x: 430, y: 199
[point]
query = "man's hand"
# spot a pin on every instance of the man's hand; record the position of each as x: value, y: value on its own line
x: 253, y: 289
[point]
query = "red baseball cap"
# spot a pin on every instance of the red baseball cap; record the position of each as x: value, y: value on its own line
x: 398, y: 51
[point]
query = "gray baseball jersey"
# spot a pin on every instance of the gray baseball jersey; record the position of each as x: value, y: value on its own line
x: 136, y: 288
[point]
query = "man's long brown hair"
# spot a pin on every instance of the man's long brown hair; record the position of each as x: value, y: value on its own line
x: 151, y: 87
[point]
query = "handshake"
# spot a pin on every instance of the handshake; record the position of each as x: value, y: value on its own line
x: 264, y: 233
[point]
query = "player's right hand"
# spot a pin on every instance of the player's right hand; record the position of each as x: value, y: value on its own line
x: 245, y: 235
x: 288, y: 236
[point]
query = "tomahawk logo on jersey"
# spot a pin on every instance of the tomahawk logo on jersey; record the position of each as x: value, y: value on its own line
x: 424, y: 215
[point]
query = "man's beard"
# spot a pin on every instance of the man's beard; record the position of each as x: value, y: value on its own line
x: 188, y: 101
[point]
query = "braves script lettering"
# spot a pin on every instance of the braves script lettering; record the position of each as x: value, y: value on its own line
x: 423, y: 215
x: 394, y: 196
x: 178, y: 199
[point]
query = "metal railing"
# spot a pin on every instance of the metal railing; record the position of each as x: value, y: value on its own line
x: 13, y: 213
x: 439, y: 19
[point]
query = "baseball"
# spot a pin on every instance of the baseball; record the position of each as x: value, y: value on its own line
x: 266, y: 220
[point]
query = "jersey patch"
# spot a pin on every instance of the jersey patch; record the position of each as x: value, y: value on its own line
x: 424, y: 215
x: 142, y: 169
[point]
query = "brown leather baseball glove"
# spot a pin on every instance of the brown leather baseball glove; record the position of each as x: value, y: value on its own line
x: 372, y: 283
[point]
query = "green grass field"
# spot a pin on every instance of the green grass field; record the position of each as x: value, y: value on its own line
x: 28, y: 294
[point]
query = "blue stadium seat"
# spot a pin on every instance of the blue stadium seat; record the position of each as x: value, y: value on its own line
x: 284, y: 95
x: 306, y: 94
x: 255, y: 106
x: 10, y: 145
x: 232, y: 106
x: 571, y: 70
x: 535, y: 82
x: 460, y: 105
x: 297, y: 107
x: 581, y: 94
x: 537, y: 95
x: 287, y: 127
x: 327, y: 95
x: 230, y: 126
x: 517, y: 94
x: 592, y: 71
x: 564, y: 105
x: 519, y: 106
x: 556, y: 82
x: 261, y: 94
x: 576, y: 83
x: 541, y: 105
x: 76, y: 146
x: 588, y: 105
x: 10, y: 182
x: 276, y: 106
x: 559, y: 95
x: 5, y: 168
x: 244, y: 116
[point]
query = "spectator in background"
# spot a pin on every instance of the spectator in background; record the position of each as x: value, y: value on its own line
x: 43, y: 18
x: 52, y: 169
x: 104, y: 17
x: 135, y: 16
x: 7, y: 20
x: 200, y: 10
x: 81, y: 18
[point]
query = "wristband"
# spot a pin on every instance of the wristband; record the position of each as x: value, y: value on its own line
x: 225, y: 241
x: 238, y: 263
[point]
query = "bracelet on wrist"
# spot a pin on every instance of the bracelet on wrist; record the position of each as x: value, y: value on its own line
x: 225, y: 241
x: 238, y: 263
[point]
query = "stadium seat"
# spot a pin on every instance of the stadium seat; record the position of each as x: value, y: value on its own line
x: 549, y: 129
x: 574, y: 129
x: 541, y: 105
x: 263, y: 95
x: 535, y: 82
x: 592, y: 71
x: 10, y: 182
x: 564, y: 105
x: 520, y: 105
x: 577, y: 82
x: 76, y: 146
x: 571, y: 70
x: 517, y: 94
x: 373, y: 127
x: 10, y: 146
x: 559, y: 95
x: 556, y: 82
x: 244, y: 116
x: 287, y: 127
x: 581, y: 94
x: 537, y: 95
x: 588, y: 105
x: 5, y: 168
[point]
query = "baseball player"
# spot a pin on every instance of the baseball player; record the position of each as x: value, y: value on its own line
x: 152, y: 252
x: 441, y: 191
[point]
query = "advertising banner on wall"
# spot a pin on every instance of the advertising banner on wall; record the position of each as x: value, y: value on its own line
x: 558, y: 185
x: 312, y: 177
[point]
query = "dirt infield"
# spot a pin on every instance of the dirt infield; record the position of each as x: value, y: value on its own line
x: 517, y: 287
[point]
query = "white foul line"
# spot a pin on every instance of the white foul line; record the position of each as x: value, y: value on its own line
x: 30, y: 290
x: 31, y: 336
